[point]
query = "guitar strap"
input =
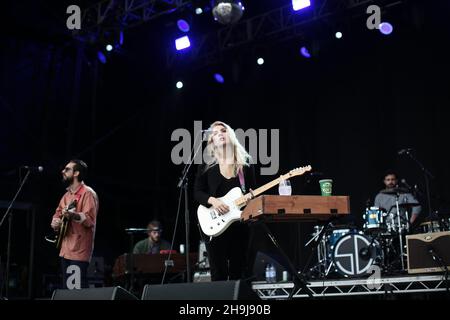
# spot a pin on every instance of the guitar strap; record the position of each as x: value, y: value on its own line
x: 242, y: 180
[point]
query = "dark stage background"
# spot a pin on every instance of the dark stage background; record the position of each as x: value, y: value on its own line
x: 347, y: 111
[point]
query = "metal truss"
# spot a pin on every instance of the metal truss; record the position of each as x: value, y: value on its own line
x: 353, y: 287
x: 279, y: 24
x: 126, y: 13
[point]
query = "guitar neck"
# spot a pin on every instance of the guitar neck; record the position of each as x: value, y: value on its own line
x: 258, y: 191
x: 266, y: 187
x: 296, y: 172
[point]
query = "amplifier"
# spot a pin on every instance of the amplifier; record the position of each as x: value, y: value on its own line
x: 428, y: 252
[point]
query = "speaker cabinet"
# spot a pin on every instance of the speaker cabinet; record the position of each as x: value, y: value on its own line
x: 217, y: 290
x: 426, y: 249
x: 106, y: 293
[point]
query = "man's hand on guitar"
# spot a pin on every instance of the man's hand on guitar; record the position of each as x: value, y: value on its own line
x: 218, y: 205
x: 56, y: 223
x: 71, y: 215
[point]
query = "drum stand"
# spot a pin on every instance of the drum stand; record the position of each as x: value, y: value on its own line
x: 400, y: 230
x: 321, y: 249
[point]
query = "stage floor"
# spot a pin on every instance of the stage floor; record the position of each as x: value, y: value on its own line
x: 353, y: 287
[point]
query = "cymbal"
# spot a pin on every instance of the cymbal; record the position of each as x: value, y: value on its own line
x: 394, y: 190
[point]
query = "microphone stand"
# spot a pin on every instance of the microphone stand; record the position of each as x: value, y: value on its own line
x: 183, y: 185
x: 130, y: 257
x: 8, y: 250
x: 427, y: 176
x: 437, y: 258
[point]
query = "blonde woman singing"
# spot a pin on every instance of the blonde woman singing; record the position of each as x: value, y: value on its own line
x: 228, y: 166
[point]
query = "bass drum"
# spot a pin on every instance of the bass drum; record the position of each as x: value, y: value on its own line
x: 355, y: 253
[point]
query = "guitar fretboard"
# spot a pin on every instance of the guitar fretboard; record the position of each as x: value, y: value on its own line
x: 241, y: 201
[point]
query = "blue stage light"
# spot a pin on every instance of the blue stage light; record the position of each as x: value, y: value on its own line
x: 182, y: 43
x: 300, y: 4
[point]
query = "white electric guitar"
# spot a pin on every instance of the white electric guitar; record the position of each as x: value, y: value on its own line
x: 213, y: 223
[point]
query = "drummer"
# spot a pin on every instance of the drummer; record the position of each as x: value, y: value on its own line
x: 385, y: 199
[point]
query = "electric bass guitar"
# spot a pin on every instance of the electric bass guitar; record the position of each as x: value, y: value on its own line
x: 213, y: 224
x: 61, y: 233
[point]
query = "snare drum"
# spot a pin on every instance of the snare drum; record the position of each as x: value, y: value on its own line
x: 374, y: 219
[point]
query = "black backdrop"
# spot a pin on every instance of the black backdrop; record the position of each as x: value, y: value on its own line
x: 347, y: 111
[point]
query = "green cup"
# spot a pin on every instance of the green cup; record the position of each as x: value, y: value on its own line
x: 326, y: 187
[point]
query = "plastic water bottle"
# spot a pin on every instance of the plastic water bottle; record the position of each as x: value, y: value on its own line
x: 268, y: 272
x: 273, y: 273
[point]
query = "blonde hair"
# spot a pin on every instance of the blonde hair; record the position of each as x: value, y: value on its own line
x: 241, y: 157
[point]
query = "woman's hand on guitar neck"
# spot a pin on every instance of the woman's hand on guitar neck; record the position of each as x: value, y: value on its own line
x: 249, y: 196
x: 218, y: 205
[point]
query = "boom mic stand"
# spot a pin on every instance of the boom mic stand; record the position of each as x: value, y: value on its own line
x: 130, y: 256
x: 437, y: 258
x: 183, y: 185
x: 427, y: 175
x: 8, y: 250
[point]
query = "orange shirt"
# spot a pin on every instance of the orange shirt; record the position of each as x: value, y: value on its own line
x: 78, y: 243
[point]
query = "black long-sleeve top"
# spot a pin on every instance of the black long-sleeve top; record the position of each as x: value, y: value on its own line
x: 211, y: 183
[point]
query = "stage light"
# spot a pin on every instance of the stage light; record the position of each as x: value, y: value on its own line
x: 198, y: 10
x: 109, y: 47
x: 121, y: 38
x: 219, y: 78
x: 182, y: 43
x: 101, y: 57
x: 179, y: 85
x: 227, y: 11
x: 338, y: 35
x: 386, y: 28
x: 300, y: 4
x: 260, y: 61
x: 305, y: 52
x: 183, y: 25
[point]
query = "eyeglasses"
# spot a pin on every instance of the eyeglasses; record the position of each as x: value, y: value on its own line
x: 67, y: 169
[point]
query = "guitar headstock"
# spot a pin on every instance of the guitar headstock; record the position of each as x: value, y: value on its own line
x: 72, y: 205
x: 298, y: 171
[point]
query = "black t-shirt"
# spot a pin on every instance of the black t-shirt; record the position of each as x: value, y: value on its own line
x: 226, y: 185
x: 211, y: 183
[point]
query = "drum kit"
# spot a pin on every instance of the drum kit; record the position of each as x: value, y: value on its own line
x: 346, y: 251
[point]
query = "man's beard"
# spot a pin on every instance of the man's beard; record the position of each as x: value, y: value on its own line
x: 67, y: 181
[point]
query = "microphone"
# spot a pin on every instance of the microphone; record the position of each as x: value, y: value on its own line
x: 403, y: 182
x: 407, y: 150
x: 34, y: 169
x: 207, y: 131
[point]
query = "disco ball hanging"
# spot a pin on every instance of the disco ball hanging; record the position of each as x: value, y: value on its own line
x: 227, y: 11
